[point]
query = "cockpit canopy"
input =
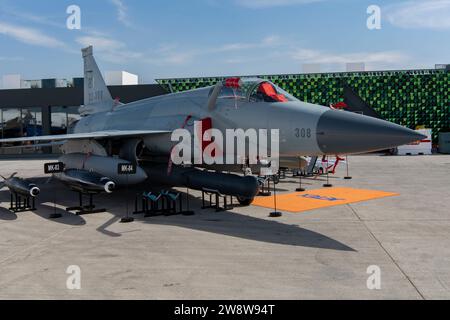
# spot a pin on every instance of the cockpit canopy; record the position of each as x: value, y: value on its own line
x: 253, y: 90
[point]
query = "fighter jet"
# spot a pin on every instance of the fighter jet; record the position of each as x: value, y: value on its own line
x: 140, y: 132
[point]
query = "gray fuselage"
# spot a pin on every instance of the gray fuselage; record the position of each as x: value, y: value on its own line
x: 304, y: 129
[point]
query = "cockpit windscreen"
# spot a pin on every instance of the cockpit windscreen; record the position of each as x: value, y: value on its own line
x: 253, y: 90
x: 268, y: 92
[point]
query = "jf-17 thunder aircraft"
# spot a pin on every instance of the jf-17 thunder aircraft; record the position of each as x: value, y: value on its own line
x: 110, y: 133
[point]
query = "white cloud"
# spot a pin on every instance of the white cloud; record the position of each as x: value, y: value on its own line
x: 238, y: 46
x: 267, y: 42
x: 172, y: 54
x: 29, y: 36
x: 257, y: 4
x: 11, y: 58
x: 111, y: 50
x: 430, y: 14
x: 315, y: 56
x: 30, y: 17
x: 271, y: 40
x: 177, y: 58
x: 169, y: 54
x: 122, y: 12
x: 100, y: 43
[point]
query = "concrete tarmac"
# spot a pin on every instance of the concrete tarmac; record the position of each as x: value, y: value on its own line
x: 240, y: 253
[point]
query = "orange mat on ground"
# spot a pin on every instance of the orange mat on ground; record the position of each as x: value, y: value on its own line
x: 321, y: 198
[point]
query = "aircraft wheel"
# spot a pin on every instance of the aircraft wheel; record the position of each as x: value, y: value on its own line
x: 245, y: 201
x: 393, y: 151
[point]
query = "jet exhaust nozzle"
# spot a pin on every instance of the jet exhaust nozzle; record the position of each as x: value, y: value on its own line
x: 34, y: 191
x: 110, y: 186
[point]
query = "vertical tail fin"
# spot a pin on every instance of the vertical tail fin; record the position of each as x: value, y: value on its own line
x: 97, y: 97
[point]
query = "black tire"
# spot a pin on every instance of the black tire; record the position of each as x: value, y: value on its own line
x: 393, y: 151
x: 245, y: 201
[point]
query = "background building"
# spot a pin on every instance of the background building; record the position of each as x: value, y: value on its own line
x: 120, y: 78
x: 51, y: 110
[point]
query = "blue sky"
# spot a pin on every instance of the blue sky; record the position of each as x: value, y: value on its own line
x: 178, y: 38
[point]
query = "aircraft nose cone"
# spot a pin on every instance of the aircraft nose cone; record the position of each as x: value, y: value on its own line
x: 341, y: 132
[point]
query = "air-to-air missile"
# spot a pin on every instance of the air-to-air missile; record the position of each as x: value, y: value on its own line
x: 86, y: 182
x: 20, y: 186
x: 110, y: 132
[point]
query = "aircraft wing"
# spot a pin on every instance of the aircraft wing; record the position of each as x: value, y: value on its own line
x: 88, y: 135
x: 36, y: 145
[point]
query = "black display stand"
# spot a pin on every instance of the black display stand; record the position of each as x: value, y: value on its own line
x: 328, y: 184
x: 51, y: 168
x: 136, y: 204
x: 300, y: 188
x: 265, y: 187
x: 282, y: 173
x: 170, y: 201
x: 164, y: 203
x: 347, y: 177
x: 150, y: 204
x: 275, y: 213
x: 214, y: 200
x: 127, y: 169
x: 20, y: 203
x: 85, y: 209
x: 188, y: 211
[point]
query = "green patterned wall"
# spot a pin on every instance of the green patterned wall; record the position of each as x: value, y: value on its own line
x: 409, y: 98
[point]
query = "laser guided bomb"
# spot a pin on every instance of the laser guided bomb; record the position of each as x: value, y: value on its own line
x: 243, y: 188
x: 85, y: 182
x: 110, y: 132
x: 20, y: 186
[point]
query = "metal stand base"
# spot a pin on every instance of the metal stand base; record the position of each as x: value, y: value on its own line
x: 348, y: 178
x: 153, y: 214
x: 214, y: 200
x: 126, y: 220
x: 327, y: 185
x: 82, y: 210
x: 275, y: 214
x: 188, y: 213
x: 165, y: 203
x: 265, y: 188
x: 300, y: 189
x: 88, y: 211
